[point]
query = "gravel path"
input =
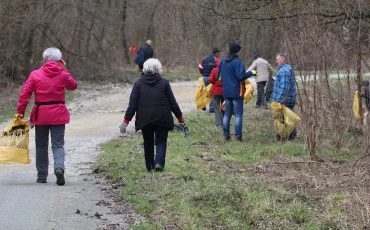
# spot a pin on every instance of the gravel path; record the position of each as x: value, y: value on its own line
x: 86, y: 201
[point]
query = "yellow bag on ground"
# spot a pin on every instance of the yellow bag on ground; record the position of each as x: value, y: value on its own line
x: 355, y: 107
x: 285, y: 122
x: 14, y: 142
x: 203, y: 95
x: 248, y: 91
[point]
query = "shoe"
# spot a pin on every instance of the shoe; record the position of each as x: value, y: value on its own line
x: 158, y: 168
x: 227, y: 138
x: 211, y: 111
x: 204, y: 109
x: 41, y: 180
x: 257, y: 106
x: 239, y: 139
x: 59, y: 173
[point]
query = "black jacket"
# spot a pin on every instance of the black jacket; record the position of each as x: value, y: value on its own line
x: 148, y: 53
x: 153, y: 101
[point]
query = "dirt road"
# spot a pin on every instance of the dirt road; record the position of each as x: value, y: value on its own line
x: 83, y: 203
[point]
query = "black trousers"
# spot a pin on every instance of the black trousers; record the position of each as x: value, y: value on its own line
x: 261, y: 99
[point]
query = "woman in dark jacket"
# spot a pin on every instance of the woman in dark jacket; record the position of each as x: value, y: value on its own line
x: 153, y: 101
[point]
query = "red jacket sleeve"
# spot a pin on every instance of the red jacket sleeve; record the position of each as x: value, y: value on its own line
x: 70, y: 82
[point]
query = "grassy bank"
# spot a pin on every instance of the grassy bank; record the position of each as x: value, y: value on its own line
x: 257, y: 184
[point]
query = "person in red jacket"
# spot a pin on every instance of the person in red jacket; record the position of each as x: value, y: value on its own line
x: 49, y: 114
x: 205, y: 68
x: 217, y: 95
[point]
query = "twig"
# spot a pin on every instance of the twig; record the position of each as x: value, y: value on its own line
x: 296, y: 162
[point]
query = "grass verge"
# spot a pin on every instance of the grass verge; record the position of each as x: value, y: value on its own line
x: 257, y: 184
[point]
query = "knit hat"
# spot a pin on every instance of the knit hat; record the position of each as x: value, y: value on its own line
x: 215, y: 50
x: 365, y: 83
x: 256, y: 55
x: 234, y: 48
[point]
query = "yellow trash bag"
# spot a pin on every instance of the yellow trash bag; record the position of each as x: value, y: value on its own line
x: 203, y: 95
x: 285, y: 121
x: 248, y: 91
x: 14, y: 142
x: 355, y: 107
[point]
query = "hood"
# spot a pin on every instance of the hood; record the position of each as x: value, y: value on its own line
x: 150, y: 79
x: 51, y: 68
x: 230, y: 57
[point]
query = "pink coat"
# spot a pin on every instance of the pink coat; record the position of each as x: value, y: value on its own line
x: 48, y: 84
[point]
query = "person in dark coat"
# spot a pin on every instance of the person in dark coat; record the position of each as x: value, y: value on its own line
x: 148, y: 52
x: 365, y: 94
x: 152, y: 101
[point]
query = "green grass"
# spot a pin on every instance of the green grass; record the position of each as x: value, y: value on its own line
x: 209, y: 183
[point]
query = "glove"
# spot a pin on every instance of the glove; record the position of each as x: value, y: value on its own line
x: 18, y: 116
x: 276, y: 106
x: 254, y: 72
x: 124, y: 125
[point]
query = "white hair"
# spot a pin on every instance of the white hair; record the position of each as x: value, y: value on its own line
x: 52, y: 54
x: 152, y: 66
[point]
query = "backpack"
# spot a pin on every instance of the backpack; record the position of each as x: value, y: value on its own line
x: 139, y: 60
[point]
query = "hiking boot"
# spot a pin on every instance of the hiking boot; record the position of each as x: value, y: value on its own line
x: 227, y: 138
x: 41, y: 180
x: 59, y: 173
x: 239, y: 139
x: 158, y: 168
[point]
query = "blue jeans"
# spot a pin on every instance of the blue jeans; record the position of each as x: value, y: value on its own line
x: 154, y: 134
x: 237, y: 105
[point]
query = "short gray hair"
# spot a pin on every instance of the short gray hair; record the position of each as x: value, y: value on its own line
x: 152, y: 66
x: 283, y: 55
x: 52, y: 54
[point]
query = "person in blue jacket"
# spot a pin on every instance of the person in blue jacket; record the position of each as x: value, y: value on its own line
x: 232, y: 73
x: 284, y: 91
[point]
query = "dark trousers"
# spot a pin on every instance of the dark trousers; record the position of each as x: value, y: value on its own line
x: 154, y: 135
x: 42, y: 144
x: 269, y: 88
x: 217, y: 102
x: 261, y: 100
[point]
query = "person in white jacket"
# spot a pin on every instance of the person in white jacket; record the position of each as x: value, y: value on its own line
x: 264, y: 73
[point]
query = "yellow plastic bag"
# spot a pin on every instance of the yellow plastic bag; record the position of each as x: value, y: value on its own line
x: 14, y: 142
x: 203, y: 95
x: 248, y: 91
x: 355, y: 107
x: 285, y: 122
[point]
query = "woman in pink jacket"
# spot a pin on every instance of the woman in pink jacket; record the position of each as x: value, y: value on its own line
x: 49, y: 113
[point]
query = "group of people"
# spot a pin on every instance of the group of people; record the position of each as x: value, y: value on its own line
x: 228, y: 76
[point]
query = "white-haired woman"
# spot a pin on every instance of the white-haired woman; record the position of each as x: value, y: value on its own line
x: 49, y: 114
x: 153, y: 101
